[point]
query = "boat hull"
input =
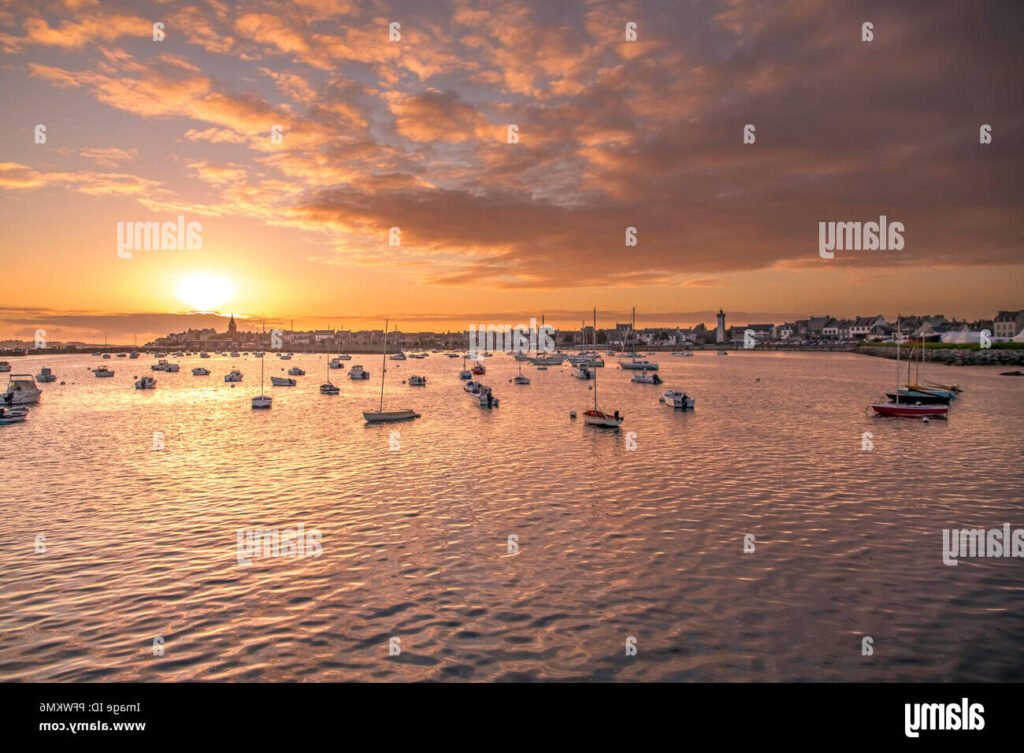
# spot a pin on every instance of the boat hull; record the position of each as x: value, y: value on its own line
x: 375, y: 417
x: 600, y: 418
x: 910, y: 411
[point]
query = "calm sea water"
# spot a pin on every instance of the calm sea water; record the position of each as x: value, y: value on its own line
x: 140, y: 546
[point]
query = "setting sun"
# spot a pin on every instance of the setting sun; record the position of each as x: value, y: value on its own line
x: 205, y: 292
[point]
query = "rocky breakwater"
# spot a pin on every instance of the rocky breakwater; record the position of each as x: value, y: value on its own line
x: 955, y: 356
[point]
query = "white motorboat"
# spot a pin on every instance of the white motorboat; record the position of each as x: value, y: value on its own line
x: 282, y: 381
x: 46, y: 375
x: 583, y: 372
x: 472, y: 387
x: 13, y: 415
x: 296, y: 371
x: 639, y: 364
x: 285, y: 356
x: 163, y: 365
x: 234, y: 354
x: 258, y: 354
x: 380, y: 415
x: 336, y: 363
x: 399, y: 356
x: 343, y: 357
x: 553, y: 359
x: 677, y: 399
x: 200, y: 371
x: 21, y: 390
x: 5, y: 366
x: 485, y: 397
x: 357, y: 372
x: 644, y: 378
x: 204, y: 354
x: 233, y: 376
x: 723, y: 352
x: 102, y: 372
x: 145, y: 383
x: 417, y: 381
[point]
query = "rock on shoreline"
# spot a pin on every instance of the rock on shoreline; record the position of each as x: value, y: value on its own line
x: 955, y: 356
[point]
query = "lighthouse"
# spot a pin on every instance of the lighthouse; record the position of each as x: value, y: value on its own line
x: 720, y: 334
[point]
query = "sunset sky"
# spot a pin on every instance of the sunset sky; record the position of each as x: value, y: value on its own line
x: 413, y: 133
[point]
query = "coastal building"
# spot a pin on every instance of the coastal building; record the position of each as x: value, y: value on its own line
x: 816, y: 325
x: 861, y: 326
x: 1008, y: 324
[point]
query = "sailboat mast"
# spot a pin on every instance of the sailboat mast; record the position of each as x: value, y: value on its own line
x: 898, y: 325
x: 595, y: 370
x: 383, y: 365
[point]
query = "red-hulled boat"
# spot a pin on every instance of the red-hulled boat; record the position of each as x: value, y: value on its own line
x: 906, y: 410
x: 479, y: 369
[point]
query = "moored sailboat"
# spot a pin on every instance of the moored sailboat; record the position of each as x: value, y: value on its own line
x: 596, y: 416
x: 380, y: 415
x: 900, y: 407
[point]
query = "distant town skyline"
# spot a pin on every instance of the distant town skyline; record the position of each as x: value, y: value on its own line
x: 487, y: 160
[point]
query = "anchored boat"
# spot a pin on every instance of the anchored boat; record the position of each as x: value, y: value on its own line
x: 380, y: 415
x: 21, y: 390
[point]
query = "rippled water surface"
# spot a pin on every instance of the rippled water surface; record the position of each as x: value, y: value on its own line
x: 613, y: 542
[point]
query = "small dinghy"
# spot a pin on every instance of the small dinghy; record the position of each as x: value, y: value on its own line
x: 13, y: 415
x: 644, y: 378
x: 678, y: 400
x: 200, y: 371
x: 296, y: 371
x: 282, y: 381
x: 102, y: 372
x: 486, y: 397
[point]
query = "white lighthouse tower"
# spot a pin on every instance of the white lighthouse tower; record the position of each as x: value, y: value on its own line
x: 720, y: 334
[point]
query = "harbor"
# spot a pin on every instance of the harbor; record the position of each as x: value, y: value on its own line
x: 512, y: 543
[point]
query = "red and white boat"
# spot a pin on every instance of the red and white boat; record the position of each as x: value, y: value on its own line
x: 596, y: 416
x: 897, y: 409
x: 906, y: 410
x: 600, y: 418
